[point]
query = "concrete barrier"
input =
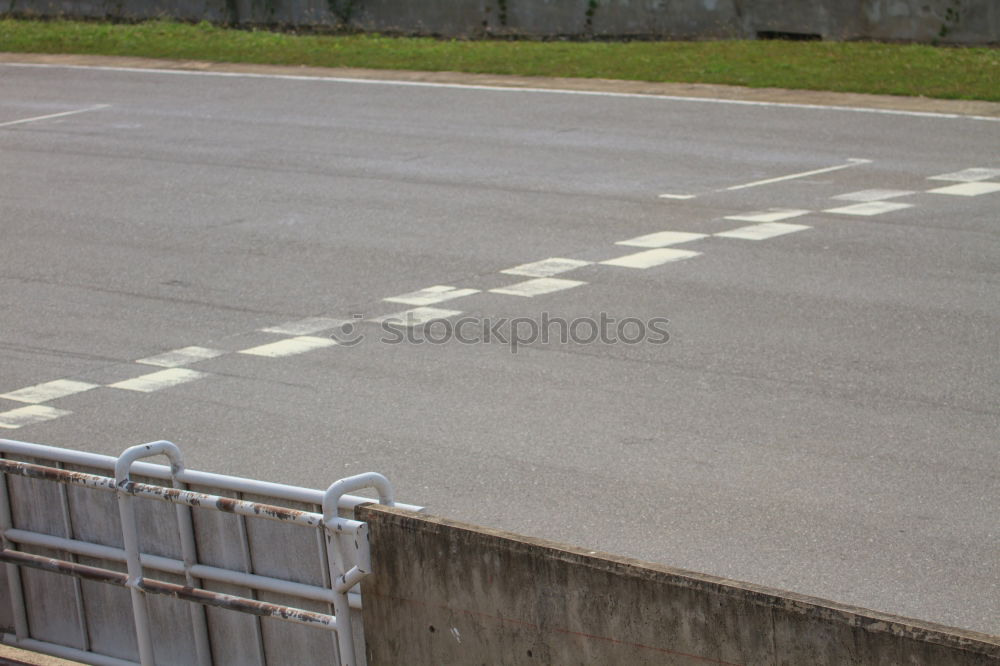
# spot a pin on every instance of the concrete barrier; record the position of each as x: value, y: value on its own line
x: 945, y: 21
x: 449, y: 593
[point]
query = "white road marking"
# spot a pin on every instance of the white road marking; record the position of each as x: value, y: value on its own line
x: 851, y: 162
x: 870, y: 208
x: 677, y: 196
x: 537, y: 287
x: 417, y: 316
x: 58, y: 388
x: 289, y: 346
x: 511, y: 89
x: 772, y: 215
x: 762, y: 231
x: 431, y: 295
x: 661, y: 239
x: 23, y: 416
x: 873, y: 195
x: 306, y: 326
x: 650, y: 258
x: 156, y: 381
x: 54, y: 115
x: 968, y: 175
x: 182, y: 356
x: 546, y: 267
x: 967, y: 189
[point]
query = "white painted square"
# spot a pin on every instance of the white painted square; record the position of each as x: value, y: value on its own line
x: 546, y: 267
x: 763, y: 231
x: 650, y: 258
x: 869, y: 209
x: 59, y: 388
x: 156, y: 381
x: 873, y: 195
x: 290, y: 346
x: 306, y: 326
x: 967, y: 189
x: 662, y: 239
x: 968, y: 175
x: 182, y: 356
x: 22, y: 416
x: 417, y: 316
x: 537, y: 287
x: 431, y: 295
x: 770, y: 215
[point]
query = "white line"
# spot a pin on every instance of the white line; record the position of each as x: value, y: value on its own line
x: 431, y: 295
x: 537, y: 287
x: 417, y: 316
x: 23, y: 416
x: 289, y: 347
x: 968, y: 175
x: 677, y: 196
x: 651, y: 258
x: 179, y: 357
x: 59, y: 388
x: 54, y: 115
x: 305, y: 326
x: 546, y: 267
x: 552, y: 91
x: 851, y: 162
x: 762, y: 231
x: 772, y: 215
x: 155, y: 381
x: 873, y: 195
x: 869, y: 209
x: 967, y: 189
x: 661, y: 239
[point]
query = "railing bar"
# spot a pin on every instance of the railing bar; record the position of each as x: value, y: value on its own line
x: 64, y: 652
x: 244, y: 537
x: 190, y: 476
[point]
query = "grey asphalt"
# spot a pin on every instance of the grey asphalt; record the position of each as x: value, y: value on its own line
x: 824, y: 418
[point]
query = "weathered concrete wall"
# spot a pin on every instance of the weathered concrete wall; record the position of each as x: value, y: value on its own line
x: 450, y: 593
x: 947, y: 21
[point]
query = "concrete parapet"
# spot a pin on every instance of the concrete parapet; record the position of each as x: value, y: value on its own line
x: 445, y: 592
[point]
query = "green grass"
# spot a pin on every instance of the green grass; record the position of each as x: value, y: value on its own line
x: 894, y: 69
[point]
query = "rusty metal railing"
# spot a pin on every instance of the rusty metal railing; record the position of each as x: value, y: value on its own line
x: 342, y: 543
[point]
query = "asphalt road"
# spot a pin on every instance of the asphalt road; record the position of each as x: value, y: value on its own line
x: 824, y: 417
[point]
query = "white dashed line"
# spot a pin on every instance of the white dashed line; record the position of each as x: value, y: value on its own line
x: 304, y: 326
x: 661, y: 239
x: 677, y: 196
x: 968, y: 175
x: 870, y: 208
x: 546, y: 267
x: 59, y: 388
x: 23, y: 416
x: 156, y: 381
x: 179, y: 357
x: 289, y: 347
x: 53, y: 115
x: 851, y: 162
x: 417, y: 316
x: 537, y: 287
x: 873, y: 195
x: 431, y: 295
x: 967, y: 189
x: 771, y: 215
x: 650, y: 258
x: 762, y: 231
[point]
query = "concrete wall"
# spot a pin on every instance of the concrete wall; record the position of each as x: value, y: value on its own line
x: 947, y: 21
x: 450, y: 593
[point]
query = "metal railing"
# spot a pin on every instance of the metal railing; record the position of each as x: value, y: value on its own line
x: 342, y: 547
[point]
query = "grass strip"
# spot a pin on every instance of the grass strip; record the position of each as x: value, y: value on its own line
x: 864, y: 67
